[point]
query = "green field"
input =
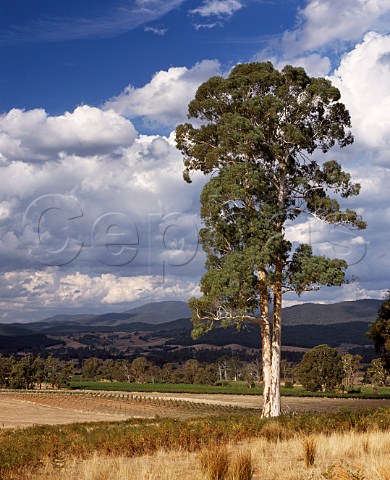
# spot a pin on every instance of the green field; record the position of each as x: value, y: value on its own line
x: 366, y: 392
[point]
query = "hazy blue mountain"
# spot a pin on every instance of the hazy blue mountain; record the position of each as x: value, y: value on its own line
x: 160, y: 312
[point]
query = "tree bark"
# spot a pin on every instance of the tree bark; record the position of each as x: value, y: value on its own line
x: 276, y: 349
x: 276, y: 343
x: 266, y: 353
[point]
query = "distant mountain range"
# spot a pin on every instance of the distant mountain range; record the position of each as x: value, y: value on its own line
x: 162, y: 312
x: 151, y: 313
x: 168, y: 324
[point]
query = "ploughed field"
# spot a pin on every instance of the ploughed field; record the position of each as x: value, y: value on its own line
x: 19, y: 409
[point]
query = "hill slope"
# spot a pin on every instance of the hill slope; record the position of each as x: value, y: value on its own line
x: 14, y: 338
x: 160, y: 312
x: 324, y: 314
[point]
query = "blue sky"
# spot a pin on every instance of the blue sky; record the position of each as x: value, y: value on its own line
x: 57, y: 55
x: 90, y: 93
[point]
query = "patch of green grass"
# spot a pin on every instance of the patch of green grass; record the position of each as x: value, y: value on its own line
x: 165, y: 388
x: 239, y: 389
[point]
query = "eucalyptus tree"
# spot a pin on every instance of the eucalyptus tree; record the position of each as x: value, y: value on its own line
x: 255, y: 133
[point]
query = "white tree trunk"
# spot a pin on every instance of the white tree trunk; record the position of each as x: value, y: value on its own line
x: 276, y: 349
x: 267, y: 371
x: 276, y: 343
x: 266, y: 353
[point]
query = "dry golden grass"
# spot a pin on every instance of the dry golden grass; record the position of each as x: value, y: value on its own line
x: 309, y: 450
x: 242, y: 467
x: 214, y: 462
x: 350, y: 456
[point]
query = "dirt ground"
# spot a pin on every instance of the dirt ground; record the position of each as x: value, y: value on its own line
x: 20, y: 409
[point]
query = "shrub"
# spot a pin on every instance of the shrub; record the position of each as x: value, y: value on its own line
x: 321, y: 369
x: 214, y: 462
x: 273, y: 431
x: 309, y: 450
x: 242, y: 467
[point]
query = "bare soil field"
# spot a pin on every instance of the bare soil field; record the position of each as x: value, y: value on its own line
x: 19, y: 409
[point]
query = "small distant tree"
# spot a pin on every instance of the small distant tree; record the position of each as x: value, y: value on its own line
x: 257, y: 368
x: 351, y: 365
x: 154, y: 373
x: 91, y: 368
x: 6, y: 366
x: 139, y: 369
x: 206, y: 375
x: 122, y: 371
x: 23, y: 373
x: 168, y: 373
x: 287, y: 371
x: 380, y: 331
x: 235, y: 368
x: 321, y: 369
x: 39, y: 369
x: 191, y: 368
x: 57, y: 373
x: 108, y: 369
x: 249, y: 375
x: 222, y: 365
x: 377, y: 372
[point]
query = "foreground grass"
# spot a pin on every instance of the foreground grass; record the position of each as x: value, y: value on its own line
x: 26, y: 450
x: 338, y: 456
x: 298, y: 391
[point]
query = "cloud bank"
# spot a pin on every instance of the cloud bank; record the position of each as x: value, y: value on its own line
x: 36, y: 136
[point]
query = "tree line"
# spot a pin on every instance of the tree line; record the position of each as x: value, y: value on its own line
x: 32, y: 371
x: 321, y: 369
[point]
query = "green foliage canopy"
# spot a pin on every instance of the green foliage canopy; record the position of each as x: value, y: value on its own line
x: 321, y: 369
x: 255, y: 132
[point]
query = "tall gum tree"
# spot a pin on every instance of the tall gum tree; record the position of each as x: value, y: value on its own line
x: 255, y: 135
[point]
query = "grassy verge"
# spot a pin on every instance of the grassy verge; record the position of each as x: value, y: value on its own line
x: 22, y: 451
x: 366, y: 392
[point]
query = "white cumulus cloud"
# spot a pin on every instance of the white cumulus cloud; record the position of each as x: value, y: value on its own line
x: 325, y: 22
x: 363, y: 78
x: 164, y: 100
x: 35, y: 136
